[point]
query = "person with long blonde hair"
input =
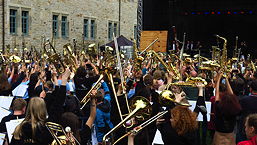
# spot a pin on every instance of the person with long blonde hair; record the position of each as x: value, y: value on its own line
x: 32, y: 130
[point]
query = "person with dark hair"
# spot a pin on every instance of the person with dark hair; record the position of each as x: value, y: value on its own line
x: 250, y: 130
x: 227, y: 107
x: 102, y: 122
x: 83, y: 81
x: 32, y: 130
x: 5, y: 87
x: 19, y: 109
x: 248, y: 104
x: 72, y: 120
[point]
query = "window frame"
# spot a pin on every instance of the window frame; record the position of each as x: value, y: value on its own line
x: 26, y: 32
x: 64, y: 26
x: 13, y: 28
x: 55, y: 25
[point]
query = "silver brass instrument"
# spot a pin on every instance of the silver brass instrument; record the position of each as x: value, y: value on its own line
x: 64, y: 139
x: 120, y: 71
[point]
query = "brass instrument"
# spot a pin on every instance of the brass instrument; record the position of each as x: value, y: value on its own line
x: 70, y: 59
x: 138, y: 59
x: 253, y: 66
x: 140, y: 104
x: 65, y: 139
x: 216, y: 54
x: 15, y: 59
x: 169, y: 68
x: 53, y: 58
x: 224, y: 60
x: 137, y: 129
x: 190, y: 82
x: 97, y: 85
x: 120, y: 71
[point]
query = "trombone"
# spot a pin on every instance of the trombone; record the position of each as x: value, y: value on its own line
x: 137, y: 129
x: 65, y: 139
x: 97, y: 85
x: 141, y: 104
x: 166, y: 96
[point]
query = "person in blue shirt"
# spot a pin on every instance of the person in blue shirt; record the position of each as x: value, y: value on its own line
x: 102, y: 121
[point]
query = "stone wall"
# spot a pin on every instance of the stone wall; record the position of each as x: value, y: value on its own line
x: 41, y: 13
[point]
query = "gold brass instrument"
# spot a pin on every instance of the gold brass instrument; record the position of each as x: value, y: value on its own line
x: 253, y: 66
x: 169, y: 68
x: 167, y: 97
x: 96, y: 86
x: 53, y: 58
x: 223, y: 61
x: 190, y: 82
x: 216, y: 54
x: 140, y: 104
x: 137, y: 129
x: 70, y: 58
x: 15, y: 59
x: 65, y: 139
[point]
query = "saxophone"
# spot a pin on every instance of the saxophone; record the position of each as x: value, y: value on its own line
x: 223, y: 61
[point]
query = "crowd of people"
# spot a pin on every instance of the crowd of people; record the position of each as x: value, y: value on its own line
x: 54, y: 94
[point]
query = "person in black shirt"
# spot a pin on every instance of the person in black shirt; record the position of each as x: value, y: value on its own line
x: 32, y: 130
x: 19, y: 109
x: 227, y: 108
x: 180, y: 129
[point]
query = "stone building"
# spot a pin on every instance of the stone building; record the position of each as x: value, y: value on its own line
x: 27, y: 23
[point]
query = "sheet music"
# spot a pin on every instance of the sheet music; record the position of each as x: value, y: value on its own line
x: 5, y: 101
x: 10, y: 126
x: 2, y: 136
x: 200, y: 116
x: 158, y: 138
x: 20, y: 90
x: 3, y: 113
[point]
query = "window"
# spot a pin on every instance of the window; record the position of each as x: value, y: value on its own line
x: 115, y: 29
x: 85, y: 28
x: 110, y: 31
x: 25, y: 22
x: 93, y: 29
x: 55, y: 25
x: 64, y: 26
x: 13, y: 21
x: 112, y: 28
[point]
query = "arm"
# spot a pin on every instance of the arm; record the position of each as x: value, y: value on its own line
x: 229, y: 89
x: 106, y: 91
x: 95, y: 69
x: 217, y: 89
x: 91, y: 118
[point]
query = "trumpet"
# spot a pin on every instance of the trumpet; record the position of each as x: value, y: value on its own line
x: 65, y: 139
x: 96, y: 86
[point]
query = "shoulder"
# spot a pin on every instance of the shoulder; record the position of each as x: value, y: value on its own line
x: 245, y: 143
